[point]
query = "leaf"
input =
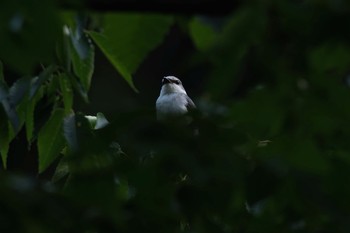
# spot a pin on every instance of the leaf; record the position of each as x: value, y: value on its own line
x: 39, y: 80
x: 7, y: 105
x: 330, y: 57
x: 50, y: 139
x: 203, y: 35
x: 101, y: 121
x: 70, y: 132
x: 62, y: 170
x: 78, y: 133
x: 23, y: 44
x: 4, y: 138
x: 79, y: 88
x: 29, y: 115
x: 92, y: 121
x: 82, y: 54
x: 18, y: 90
x: 67, y: 93
x: 128, y: 38
x: 97, y: 122
x: 11, y: 114
x: 105, y: 45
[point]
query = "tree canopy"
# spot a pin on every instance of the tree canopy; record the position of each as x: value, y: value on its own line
x: 81, y: 150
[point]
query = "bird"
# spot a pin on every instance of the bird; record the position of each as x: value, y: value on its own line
x: 173, y: 101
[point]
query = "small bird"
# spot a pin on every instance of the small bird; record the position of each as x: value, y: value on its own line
x: 173, y: 101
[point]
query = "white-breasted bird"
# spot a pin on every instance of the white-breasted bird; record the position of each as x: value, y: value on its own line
x: 173, y: 101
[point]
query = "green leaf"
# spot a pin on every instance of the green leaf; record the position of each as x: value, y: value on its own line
x: 50, y: 139
x: 62, y: 170
x: 67, y: 93
x: 70, y: 132
x: 203, y: 35
x: 28, y: 33
x: 97, y: 122
x: 128, y: 38
x: 29, y: 115
x: 101, y: 121
x: 39, y: 80
x: 8, y: 107
x: 330, y: 57
x: 19, y: 90
x: 4, y: 137
x: 82, y: 54
x: 78, y: 86
x: 11, y: 114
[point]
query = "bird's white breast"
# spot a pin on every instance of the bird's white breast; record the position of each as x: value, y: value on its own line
x: 171, y: 105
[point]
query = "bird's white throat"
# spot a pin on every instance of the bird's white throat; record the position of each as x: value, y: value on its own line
x: 171, y: 88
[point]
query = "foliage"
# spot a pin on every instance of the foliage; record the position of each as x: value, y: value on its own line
x: 272, y: 154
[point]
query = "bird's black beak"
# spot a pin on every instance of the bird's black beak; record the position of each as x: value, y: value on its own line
x: 165, y: 81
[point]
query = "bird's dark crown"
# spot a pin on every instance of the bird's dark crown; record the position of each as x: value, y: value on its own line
x: 171, y: 79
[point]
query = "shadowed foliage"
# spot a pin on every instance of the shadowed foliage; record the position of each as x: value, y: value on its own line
x: 81, y: 150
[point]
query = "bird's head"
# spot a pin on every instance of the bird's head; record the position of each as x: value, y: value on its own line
x: 170, y: 85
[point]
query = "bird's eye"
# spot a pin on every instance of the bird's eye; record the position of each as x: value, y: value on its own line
x: 177, y: 82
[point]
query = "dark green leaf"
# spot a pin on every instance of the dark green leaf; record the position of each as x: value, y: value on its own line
x: 77, y: 85
x: 40, y: 80
x: 18, y: 90
x: 83, y: 54
x: 29, y: 115
x: 8, y: 107
x: 4, y: 137
x: 28, y: 33
x: 67, y: 92
x: 62, y: 170
x: 330, y: 57
x: 128, y: 38
x: 50, y: 139
x: 11, y: 114
x: 70, y: 132
x: 203, y: 35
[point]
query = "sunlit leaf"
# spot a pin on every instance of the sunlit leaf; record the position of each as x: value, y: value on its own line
x: 97, y: 122
x: 50, y: 139
x: 101, y: 121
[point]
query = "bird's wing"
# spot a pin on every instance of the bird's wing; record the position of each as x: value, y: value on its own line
x: 190, y: 105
